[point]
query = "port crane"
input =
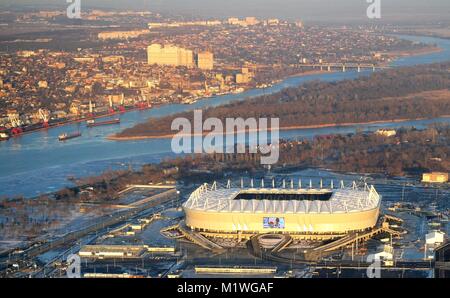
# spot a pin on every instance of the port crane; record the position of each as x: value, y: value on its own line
x: 143, y: 103
x: 44, y: 115
x: 122, y: 106
x: 111, y: 107
x: 16, y: 123
x: 91, y: 109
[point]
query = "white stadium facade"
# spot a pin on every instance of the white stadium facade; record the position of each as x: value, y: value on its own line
x: 292, y: 210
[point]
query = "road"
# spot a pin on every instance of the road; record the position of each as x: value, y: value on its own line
x: 28, y: 257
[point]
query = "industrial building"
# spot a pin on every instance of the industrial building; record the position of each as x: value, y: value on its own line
x: 205, y: 60
x: 434, y: 238
x: 442, y: 257
x: 295, y: 211
x: 121, y: 34
x: 112, y: 251
x: 122, y: 251
x: 176, y: 56
x: 435, y: 177
x: 169, y: 55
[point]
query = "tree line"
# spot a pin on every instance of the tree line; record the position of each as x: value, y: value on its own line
x: 383, y: 96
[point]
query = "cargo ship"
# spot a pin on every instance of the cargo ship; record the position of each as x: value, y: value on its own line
x: 93, y: 123
x: 65, y: 136
x: 25, y: 129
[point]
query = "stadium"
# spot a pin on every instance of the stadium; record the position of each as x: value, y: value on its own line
x: 229, y: 211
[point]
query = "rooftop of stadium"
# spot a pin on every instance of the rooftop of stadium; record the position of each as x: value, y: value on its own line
x: 284, y: 199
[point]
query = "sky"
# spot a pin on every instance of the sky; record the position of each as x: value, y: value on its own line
x: 287, y: 9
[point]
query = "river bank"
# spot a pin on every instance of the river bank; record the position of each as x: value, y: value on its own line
x: 417, y: 52
x: 68, y: 122
x: 285, y: 128
x: 407, y: 160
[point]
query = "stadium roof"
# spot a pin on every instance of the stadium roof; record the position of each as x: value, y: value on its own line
x: 343, y: 200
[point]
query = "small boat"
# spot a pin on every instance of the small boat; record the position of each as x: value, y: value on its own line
x: 4, y: 136
x: 65, y: 136
x: 93, y: 123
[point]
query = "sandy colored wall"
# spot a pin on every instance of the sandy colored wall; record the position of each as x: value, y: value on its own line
x: 294, y: 223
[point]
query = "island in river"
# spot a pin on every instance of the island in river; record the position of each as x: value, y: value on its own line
x: 399, y: 94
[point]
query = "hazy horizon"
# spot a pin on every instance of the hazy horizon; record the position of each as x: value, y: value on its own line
x: 312, y: 10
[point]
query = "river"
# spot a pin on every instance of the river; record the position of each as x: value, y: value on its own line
x: 38, y: 163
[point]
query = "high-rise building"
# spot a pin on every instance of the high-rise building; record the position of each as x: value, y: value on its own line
x: 250, y: 21
x: 121, y: 34
x: 205, y: 60
x: 273, y: 22
x: 169, y: 55
x: 233, y: 21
